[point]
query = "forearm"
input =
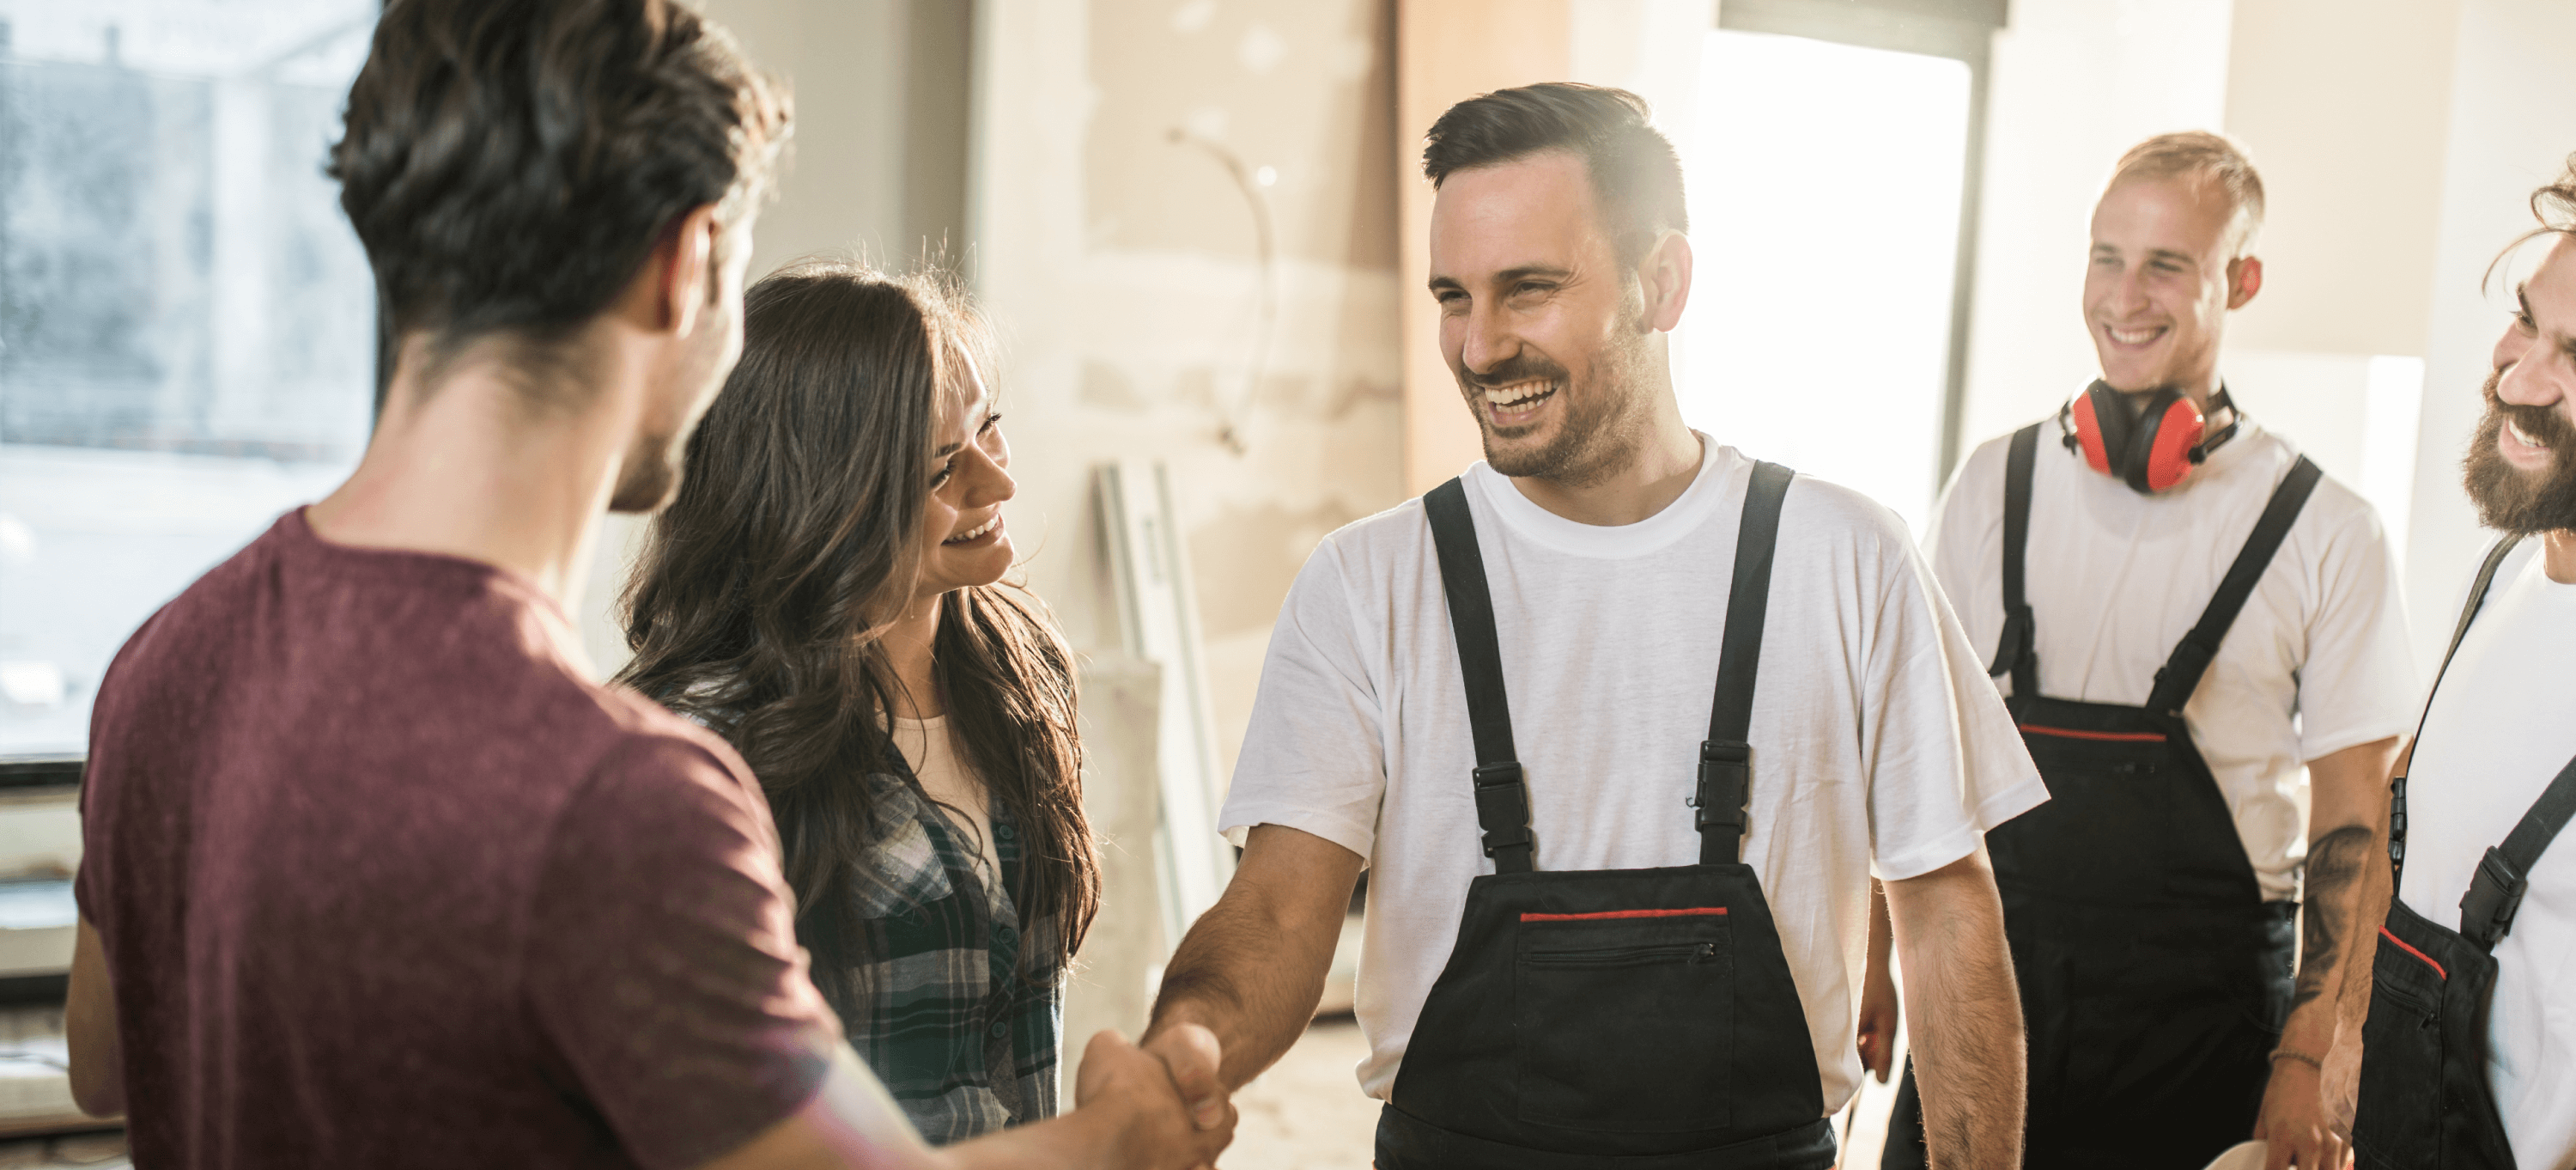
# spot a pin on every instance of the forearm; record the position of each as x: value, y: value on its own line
x: 89, y: 1028
x: 1969, y: 1054
x: 1252, y: 968
x: 2328, y: 915
x: 1085, y: 1139
x: 1245, y: 977
x: 2345, y: 875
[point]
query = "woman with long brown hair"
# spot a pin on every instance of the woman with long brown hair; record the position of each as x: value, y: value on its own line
x: 825, y: 592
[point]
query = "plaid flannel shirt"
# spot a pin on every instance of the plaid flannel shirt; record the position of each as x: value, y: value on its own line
x: 955, y: 1003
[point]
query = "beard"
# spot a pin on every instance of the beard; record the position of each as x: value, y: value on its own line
x: 649, y: 475
x: 2510, y: 499
x: 1603, y: 419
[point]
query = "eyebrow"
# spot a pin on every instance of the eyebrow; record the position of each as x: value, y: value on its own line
x: 2186, y: 259
x: 1508, y: 275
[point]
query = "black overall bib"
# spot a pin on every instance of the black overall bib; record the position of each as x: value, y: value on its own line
x: 1637, y: 1018
x: 2154, y: 977
x: 2425, y: 1098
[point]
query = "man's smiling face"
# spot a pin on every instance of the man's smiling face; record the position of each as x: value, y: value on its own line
x: 1540, y: 321
x: 2521, y: 468
x: 2160, y: 279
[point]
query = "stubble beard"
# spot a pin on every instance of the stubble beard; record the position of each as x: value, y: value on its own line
x: 1605, y: 420
x: 2510, y: 499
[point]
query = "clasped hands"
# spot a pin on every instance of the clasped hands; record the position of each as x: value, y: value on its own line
x: 1167, y: 1094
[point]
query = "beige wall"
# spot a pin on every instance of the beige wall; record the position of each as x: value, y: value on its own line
x: 2344, y: 105
x: 1452, y: 50
x: 1121, y: 267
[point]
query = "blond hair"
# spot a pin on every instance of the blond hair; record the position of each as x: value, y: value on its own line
x: 2212, y: 161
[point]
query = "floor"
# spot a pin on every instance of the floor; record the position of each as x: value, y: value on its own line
x: 1307, y: 1112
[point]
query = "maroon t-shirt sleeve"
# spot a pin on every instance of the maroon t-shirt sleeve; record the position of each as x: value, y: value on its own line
x: 662, y: 962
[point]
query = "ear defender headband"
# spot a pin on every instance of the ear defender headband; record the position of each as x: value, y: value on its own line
x: 2152, y: 450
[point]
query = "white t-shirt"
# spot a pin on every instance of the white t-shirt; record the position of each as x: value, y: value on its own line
x: 2496, y: 734
x: 2317, y: 661
x: 1874, y: 733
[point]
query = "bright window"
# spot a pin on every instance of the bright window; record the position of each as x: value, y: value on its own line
x: 1824, y: 199
x: 186, y: 321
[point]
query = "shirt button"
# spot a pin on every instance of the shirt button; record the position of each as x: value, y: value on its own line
x: 1002, y: 831
x: 1001, y: 1030
x: 1004, y: 934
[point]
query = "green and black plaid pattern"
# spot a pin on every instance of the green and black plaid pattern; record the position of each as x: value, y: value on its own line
x: 939, y: 986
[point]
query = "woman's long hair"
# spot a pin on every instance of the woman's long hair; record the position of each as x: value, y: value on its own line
x: 764, y: 591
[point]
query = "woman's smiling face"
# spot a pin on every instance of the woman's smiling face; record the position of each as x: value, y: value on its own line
x: 964, y: 542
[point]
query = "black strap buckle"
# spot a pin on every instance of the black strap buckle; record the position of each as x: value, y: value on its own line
x: 1502, y: 806
x: 2021, y: 629
x: 1725, y: 776
x: 2495, y: 894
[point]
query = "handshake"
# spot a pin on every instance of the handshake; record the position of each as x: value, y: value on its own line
x: 1162, y: 1104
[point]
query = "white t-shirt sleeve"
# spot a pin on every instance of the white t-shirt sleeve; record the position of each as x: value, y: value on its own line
x: 2358, y: 684
x: 1314, y: 754
x: 1945, y: 762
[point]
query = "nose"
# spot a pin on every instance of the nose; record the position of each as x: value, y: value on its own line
x: 1486, y: 340
x: 2128, y: 294
x: 987, y: 475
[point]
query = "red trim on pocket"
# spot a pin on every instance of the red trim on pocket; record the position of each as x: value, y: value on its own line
x: 2105, y: 736
x: 1692, y: 912
x: 2428, y: 959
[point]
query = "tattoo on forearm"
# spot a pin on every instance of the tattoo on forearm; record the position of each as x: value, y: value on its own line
x: 2334, y: 867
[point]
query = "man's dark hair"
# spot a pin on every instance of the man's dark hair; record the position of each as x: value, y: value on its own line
x: 509, y: 165
x: 1636, y: 178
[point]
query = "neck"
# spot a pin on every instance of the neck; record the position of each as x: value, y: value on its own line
x: 2200, y: 389
x: 1655, y: 474
x: 907, y: 649
x: 2558, y: 555
x: 465, y: 468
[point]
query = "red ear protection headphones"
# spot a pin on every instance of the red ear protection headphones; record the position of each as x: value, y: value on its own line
x: 2151, y: 450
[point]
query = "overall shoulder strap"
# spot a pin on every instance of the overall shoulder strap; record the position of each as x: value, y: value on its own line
x: 1726, y: 756
x: 2017, y: 650
x: 2181, y: 673
x: 2397, y: 784
x: 1502, y: 799
x: 2495, y: 893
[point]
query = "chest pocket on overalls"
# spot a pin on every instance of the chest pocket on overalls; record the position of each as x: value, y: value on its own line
x: 1581, y: 985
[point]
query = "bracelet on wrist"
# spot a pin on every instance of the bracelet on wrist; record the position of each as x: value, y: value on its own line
x: 2280, y: 1054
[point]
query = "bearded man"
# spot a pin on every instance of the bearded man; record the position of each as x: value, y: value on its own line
x: 1608, y: 918
x: 2466, y: 1052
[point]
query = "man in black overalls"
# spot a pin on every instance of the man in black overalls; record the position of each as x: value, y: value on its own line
x: 2467, y: 1044
x: 2185, y: 610
x: 1620, y: 721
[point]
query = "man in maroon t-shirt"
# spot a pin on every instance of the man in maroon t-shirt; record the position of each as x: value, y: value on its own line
x: 375, y: 876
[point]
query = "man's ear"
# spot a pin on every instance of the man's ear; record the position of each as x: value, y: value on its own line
x: 1665, y: 277
x: 2244, y: 279
x: 686, y: 270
